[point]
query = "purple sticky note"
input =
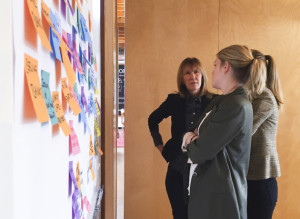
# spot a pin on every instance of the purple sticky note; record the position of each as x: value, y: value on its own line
x: 71, y: 9
x: 71, y: 172
x: 63, y: 8
x: 83, y: 99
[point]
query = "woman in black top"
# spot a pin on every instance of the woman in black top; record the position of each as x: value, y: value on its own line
x: 184, y: 108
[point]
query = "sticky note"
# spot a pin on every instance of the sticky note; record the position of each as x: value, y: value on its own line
x: 47, y: 97
x: 73, y: 140
x: 55, y: 22
x: 32, y: 5
x: 71, y: 172
x: 77, y: 62
x: 85, y: 29
x: 69, y: 70
x: 69, y: 97
x: 78, y: 176
x: 69, y: 5
x: 60, y: 114
x: 34, y: 85
x: 92, y: 149
x: 92, y: 171
x: 55, y: 44
x: 98, y: 148
x: 96, y: 126
x: 83, y: 99
x: 78, y: 5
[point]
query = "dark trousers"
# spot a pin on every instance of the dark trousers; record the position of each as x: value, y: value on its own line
x: 175, y: 190
x: 262, y: 198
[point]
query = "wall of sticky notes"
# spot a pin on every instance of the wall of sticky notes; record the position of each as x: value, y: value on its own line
x: 57, y: 109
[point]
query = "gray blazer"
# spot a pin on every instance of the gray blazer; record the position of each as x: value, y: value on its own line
x: 264, y: 161
x: 222, y: 151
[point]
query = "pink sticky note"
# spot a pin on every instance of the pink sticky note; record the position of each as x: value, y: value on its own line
x: 74, y: 140
x: 87, y: 204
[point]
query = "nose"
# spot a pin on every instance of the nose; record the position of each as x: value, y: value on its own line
x: 192, y: 75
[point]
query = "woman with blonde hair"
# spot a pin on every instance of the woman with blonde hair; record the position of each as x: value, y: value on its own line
x: 184, y: 107
x: 220, y: 147
x: 266, y: 97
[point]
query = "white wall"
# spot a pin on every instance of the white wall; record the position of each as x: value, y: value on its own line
x: 6, y: 111
x: 34, y: 158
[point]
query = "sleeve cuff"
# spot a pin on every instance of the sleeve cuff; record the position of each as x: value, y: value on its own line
x: 157, y: 139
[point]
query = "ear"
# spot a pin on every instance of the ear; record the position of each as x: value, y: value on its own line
x: 227, y: 67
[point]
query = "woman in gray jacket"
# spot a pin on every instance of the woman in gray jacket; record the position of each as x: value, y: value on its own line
x: 266, y: 97
x: 219, y: 149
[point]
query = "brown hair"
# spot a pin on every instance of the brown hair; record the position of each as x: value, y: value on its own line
x: 191, y: 62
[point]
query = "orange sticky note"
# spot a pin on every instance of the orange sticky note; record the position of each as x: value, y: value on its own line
x: 95, y: 64
x: 34, y: 85
x: 99, y: 149
x: 69, y: 69
x: 92, y: 149
x: 92, y: 171
x: 78, y: 176
x: 60, y: 114
x: 69, y: 97
x: 78, y: 5
x: 46, y: 12
x: 32, y: 5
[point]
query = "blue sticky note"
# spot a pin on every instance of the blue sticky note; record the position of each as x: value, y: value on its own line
x: 82, y: 115
x: 92, y: 103
x: 85, y: 30
x: 55, y: 44
x: 83, y: 54
x: 56, y: 22
x: 48, y: 98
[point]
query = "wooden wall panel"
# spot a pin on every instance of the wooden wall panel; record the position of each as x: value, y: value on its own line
x: 159, y: 34
x: 274, y: 28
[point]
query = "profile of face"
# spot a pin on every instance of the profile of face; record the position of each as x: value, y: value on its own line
x: 217, y: 74
x: 192, y: 79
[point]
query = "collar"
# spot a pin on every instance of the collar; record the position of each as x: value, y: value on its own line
x: 190, y: 98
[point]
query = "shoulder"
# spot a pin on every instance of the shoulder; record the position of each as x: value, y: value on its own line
x: 266, y: 98
x: 235, y: 103
x: 174, y: 97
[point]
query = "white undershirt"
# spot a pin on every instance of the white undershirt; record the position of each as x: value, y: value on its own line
x: 193, y: 166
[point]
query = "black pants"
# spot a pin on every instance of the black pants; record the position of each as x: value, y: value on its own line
x: 175, y: 190
x: 262, y: 198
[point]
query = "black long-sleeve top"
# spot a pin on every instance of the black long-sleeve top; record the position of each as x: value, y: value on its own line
x: 184, y: 113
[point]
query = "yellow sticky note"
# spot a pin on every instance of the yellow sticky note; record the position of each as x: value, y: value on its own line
x: 69, y: 69
x: 34, y: 85
x: 92, y: 171
x: 60, y: 114
x: 32, y: 5
x: 92, y: 149
x: 69, y: 97
x: 78, y: 176
x: 97, y: 108
x: 99, y: 149
x: 97, y: 127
